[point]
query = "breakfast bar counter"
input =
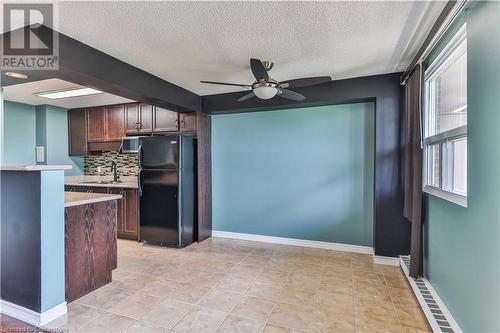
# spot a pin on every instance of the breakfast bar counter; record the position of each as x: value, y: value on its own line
x: 90, y: 241
x: 82, y: 198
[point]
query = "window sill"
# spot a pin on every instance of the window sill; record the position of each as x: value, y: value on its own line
x: 449, y: 196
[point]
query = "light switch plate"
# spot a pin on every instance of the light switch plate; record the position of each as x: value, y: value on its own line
x: 40, y: 154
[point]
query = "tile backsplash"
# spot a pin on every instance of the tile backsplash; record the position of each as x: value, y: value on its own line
x: 127, y: 164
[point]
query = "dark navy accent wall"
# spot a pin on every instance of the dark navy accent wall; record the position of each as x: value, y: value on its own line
x: 20, y: 239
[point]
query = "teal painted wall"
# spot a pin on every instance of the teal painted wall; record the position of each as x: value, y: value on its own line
x: 302, y: 173
x: 26, y: 126
x: 52, y: 239
x: 462, y: 255
x: 53, y: 130
x: 19, y: 133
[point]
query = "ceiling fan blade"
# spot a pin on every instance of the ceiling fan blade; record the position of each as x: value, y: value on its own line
x: 307, y: 81
x: 288, y: 94
x: 228, y: 84
x: 246, y: 96
x: 258, y: 70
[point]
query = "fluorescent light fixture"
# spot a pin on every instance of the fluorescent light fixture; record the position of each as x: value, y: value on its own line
x: 17, y: 75
x: 76, y: 92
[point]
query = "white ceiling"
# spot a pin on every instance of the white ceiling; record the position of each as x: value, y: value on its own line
x: 25, y: 93
x: 185, y: 42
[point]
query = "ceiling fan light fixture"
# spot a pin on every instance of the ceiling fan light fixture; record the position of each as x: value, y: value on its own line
x: 266, y: 87
x: 265, y: 91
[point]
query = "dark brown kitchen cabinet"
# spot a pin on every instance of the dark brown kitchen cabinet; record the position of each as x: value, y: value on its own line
x: 104, y: 146
x: 74, y: 188
x: 96, y: 124
x: 97, y: 189
x: 165, y: 120
x: 101, y: 129
x: 88, y: 189
x: 127, y: 213
x: 131, y: 225
x: 131, y: 118
x: 187, y: 122
x: 139, y: 118
x: 77, y: 136
x: 115, y: 122
x: 145, y: 118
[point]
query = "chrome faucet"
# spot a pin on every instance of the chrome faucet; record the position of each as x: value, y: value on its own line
x: 114, y: 168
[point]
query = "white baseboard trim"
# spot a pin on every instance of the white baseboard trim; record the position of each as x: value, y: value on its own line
x: 381, y: 260
x: 53, y: 313
x: 437, y: 326
x: 294, y: 242
x: 30, y: 316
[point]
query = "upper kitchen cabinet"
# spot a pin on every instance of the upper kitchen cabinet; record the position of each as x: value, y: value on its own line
x: 115, y: 122
x: 99, y: 129
x: 188, y: 122
x: 96, y: 124
x: 138, y: 118
x: 145, y: 118
x: 131, y: 118
x: 165, y: 120
x: 77, y: 126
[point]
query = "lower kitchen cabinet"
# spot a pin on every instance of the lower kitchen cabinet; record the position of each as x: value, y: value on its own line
x: 88, y: 189
x: 127, y: 210
x: 127, y: 213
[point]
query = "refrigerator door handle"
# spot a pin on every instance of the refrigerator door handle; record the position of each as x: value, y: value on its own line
x: 140, y: 182
x: 139, y: 156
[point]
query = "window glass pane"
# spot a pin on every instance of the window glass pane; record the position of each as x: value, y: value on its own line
x: 445, y: 109
x: 433, y: 168
x: 460, y: 166
x: 450, y: 96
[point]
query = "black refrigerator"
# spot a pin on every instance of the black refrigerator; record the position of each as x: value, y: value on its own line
x: 167, y: 190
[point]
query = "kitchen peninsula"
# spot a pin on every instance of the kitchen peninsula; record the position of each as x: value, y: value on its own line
x: 90, y: 241
x: 56, y: 246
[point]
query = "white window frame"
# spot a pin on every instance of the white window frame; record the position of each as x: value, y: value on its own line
x: 453, y: 50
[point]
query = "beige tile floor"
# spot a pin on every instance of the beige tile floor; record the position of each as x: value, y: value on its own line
x: 230, y: 286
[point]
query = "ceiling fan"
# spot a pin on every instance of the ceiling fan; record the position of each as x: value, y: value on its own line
x: 266, y: 87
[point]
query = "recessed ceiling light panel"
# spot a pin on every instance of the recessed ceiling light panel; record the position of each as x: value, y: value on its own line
x: 16, y: 75
x: 68, y: 93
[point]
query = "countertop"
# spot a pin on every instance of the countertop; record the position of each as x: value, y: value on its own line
x: 92, y: 181
x: 82, y: 198
x: 40, y: 167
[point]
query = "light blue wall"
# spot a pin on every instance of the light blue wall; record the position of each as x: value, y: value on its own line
x: 462, y: 257
x: 52, y: 239
x: 302, y: 173
x: 19, y: 133
x: 26, y: 126
x: 54, y: 131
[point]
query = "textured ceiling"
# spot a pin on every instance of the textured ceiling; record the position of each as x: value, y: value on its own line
x: 25, y: 93
x: 184, y: 42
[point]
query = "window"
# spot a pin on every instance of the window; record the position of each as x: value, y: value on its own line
x: 445, y: 122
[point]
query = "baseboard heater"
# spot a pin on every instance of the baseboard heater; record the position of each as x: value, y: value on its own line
x: 434, y: 309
